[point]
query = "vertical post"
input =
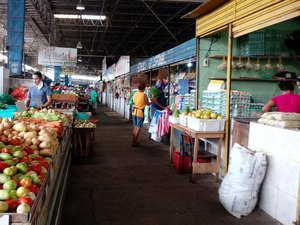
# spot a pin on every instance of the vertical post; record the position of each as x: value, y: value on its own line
x: 169, y: 79
x: 150, y: 78
x: 228, y: 90
x: 197, y: 70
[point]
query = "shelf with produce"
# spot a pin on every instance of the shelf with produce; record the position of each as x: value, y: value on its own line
x: 254, y: 57
x: 46, y: 187
x: 250, y: 79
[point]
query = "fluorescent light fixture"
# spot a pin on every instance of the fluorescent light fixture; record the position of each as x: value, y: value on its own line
x: 78, y: 17
x: 79, y: 45
x: 80, y: 6
x: 83, y: 77
x: 189, y: 64
x: 79, y: 59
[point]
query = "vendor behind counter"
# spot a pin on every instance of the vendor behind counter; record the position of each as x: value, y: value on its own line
x: 288, y: 101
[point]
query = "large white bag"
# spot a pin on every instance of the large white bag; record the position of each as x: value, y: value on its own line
x: 240, y: 187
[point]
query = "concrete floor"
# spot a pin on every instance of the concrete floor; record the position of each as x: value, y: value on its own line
x: 122, y: 185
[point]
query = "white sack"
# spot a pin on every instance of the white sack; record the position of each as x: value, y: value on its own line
x: 240, y: 187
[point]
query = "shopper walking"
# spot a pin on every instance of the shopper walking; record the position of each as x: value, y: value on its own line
x: 93, y: 100
x: 39, y: 95
x: 140, y: 100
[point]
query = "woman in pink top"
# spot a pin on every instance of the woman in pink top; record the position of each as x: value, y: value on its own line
x: 287, y: 101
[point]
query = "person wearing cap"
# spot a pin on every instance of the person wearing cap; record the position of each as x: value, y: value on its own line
x: 39, y: 95
x: 288, y: 101
x: 140, y: 100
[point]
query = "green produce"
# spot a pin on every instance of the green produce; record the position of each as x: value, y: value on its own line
x: 9, y: 162
x: 23, y: 208
x: 13, y: 194
x: 22, y: 167
x: 8, y: 171
x: 18, y: 154
x: 14, y: 168
x: 4, y: 194
x: 35, y: 179
x: 2, y: 145
x: 176, y: 113
x: 16, y: 148
x: 21, y: 191
x: 5, y: 156
x: 4, y: 178
x: 7, y: 99
x: 3, y: 207
x: 83, y: 124
x: 10, y: 185
x: 31, y: 195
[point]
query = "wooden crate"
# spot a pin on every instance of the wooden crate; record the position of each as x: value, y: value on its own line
x: 83, y: 141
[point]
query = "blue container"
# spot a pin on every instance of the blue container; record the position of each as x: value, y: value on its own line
x: 9, y: 112
x: 83, y: 116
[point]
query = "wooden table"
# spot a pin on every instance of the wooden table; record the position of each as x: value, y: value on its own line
x: 213, y: 167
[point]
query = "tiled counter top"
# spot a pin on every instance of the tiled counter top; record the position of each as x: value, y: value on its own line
x: 279, y: 192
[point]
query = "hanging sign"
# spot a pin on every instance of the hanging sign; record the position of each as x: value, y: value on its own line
x: 15, y: 35
x: 54, y: 56
x: 56, y: 74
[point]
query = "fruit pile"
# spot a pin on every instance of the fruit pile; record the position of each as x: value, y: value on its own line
x: 198, y: 114
x: 48, y: 115
x: 43, y: 140
x: 204, y: 114
x: 21, y: 174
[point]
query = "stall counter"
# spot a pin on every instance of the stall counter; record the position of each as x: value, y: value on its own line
x: 279, y: 193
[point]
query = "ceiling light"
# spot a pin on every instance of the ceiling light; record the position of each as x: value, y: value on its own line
x: 80, y: 6
x: 84, y: 17
x: 79, y: 59
x: 189, y: 64
x: 79, y: 45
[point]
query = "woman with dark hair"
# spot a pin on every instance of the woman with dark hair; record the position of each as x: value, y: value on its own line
x: 140, y: 100
x: 39, y: 95
x: 287, y: 101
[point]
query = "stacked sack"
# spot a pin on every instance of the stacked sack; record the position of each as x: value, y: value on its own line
x: 280, y: 119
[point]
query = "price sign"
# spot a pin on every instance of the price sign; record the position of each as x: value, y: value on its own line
x: 216, y: 85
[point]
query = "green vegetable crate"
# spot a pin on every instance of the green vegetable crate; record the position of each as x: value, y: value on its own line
x: 83, y: 141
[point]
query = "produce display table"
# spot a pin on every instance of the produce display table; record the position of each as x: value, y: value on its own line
x: 47, y: 207
x: 212, y: 167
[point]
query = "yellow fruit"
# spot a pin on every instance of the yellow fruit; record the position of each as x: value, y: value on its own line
x: 213, y: 115
x: 206, y: 117
x: 219, y: 117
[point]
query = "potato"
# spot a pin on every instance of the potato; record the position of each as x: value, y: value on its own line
x: 36, y: 141
x: 46, y: 153
x: 31, y: 135
x: 45, y: 145
x: 21, y: 134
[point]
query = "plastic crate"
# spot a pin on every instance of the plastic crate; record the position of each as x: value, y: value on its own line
x: 83, y: 141
x: 206, y: 125
x: 183, y: 164
x: 174, y: 120
x: 9, y: 112
x: 83, y: 115
x: 183, y: 120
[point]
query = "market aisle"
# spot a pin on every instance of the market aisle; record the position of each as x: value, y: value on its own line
x: 122, y: 185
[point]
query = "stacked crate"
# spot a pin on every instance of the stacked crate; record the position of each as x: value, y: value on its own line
x: 216, y: 101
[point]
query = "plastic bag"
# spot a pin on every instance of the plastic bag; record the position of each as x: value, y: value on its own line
x: 240, y: 188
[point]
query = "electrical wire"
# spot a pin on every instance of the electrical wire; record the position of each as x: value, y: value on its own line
x: 214, y: 39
